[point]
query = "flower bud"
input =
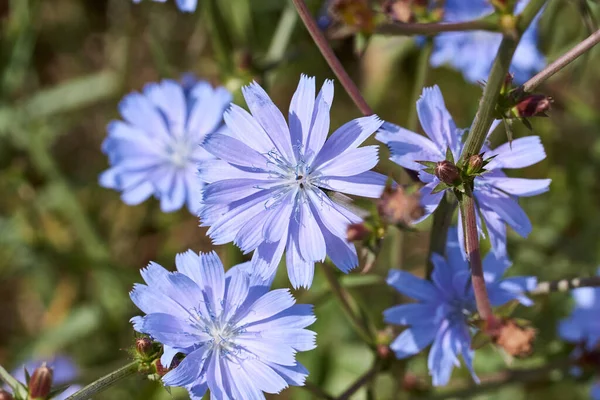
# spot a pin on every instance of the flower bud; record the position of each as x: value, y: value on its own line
x: 357, y: 232
x: 354, y: 13
x: 144, y: 346
x: 4, y: 395
x: 40, y: 383
x: 447, y: 172
x: 474, y: 164
x: 398, y: 207
x: 514, y: 339
x: 534, y: 105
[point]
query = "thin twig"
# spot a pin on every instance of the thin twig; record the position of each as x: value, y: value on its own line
x: 316, y: 391
x: 361, y: 381
x: 344, y: 299
x: 331, y: 58
x: 562, y: 62
x: 399, y: 28
x: 564, y: 285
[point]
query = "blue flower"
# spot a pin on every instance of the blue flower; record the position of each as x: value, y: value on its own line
x: 239, y: 338
x: 583, y: 325
x: 478, y: 49
x: 595, y: 392
x: 184, y: 5
x: 445, y: 305
x: 269, y: 189
x: 495, y: 193
x: 64, y: 372
x: 156, y: 149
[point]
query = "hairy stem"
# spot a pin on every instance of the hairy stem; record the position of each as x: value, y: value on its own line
x: 331, y: 58
x: 562, y: 62
x: 472, y: 246
x: 105, y: 382
x: 345, y: 299
x: 564, y: 285
x: 487, y: 104
x: 399, y: 28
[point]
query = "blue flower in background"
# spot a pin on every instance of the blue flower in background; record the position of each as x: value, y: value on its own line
x: 184, y: 5
x: 239, y: 338
x: 473, y: 52
x: 595, y: 392
x: 156, y: 149
x: 445, y: 305
x: 64, y: 372
x: 269, y: 189
x: 583, y: 325
x: 495, y: 193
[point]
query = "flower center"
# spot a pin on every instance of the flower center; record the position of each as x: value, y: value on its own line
x: 180, y: 151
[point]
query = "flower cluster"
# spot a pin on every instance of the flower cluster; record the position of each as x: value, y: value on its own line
x: 156, y: 149
x: 495, y: 193
x: 478, y: 49
x: 446, y: 305
x: 239, y: 339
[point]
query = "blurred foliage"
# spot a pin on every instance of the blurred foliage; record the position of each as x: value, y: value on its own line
x: 70, y: 250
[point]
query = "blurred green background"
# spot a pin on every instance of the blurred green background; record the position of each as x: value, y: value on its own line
x: 70, y: 250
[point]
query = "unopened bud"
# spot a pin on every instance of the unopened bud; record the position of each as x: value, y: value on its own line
x: 534, y: 105
x: 357, y: 232
x: 508, y: 25
x: 412, y: 383
x: 514, y: 339
x: 4, y: 395
x: 144, y: 346
x: 399, y: 10
x: 447, y: 172
x: 40, y: 383
x: 398, y: 207
x: 354, y: 13
x: 475, y: 163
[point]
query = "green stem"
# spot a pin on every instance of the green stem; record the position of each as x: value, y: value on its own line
x: 362, y: 381
x: 105, y: 382
x: 442, y: 219
x: 485, y: 112
x: 420, y: 79
x: 219, y: 37
x: 281, y: 37
x: 316, y: 391
x: 345, y: 299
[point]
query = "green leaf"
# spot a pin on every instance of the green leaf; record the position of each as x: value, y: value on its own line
x: 479, y: 340
x: 439, y: 188
x: 428, y: 164
x: 18, y: 388
x: 507, y: 309
x: 449, y: 155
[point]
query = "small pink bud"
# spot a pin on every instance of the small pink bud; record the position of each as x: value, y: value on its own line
x: 475, y: 163
x: 534, y: 105
x: 357, y: 232
x: 4, y: 395
x: 143, y: 346
x: 447, y: 172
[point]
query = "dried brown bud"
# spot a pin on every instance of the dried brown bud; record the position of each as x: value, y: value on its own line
x: 357, y: 232
x: 144, y: 346
x: 514, y: 339
x: 534, y: 105
x: 399, y: 10
x: 475, y: 163
x: 412, y: 383
x: 447, y: 172
x: 354, y: 13
x: 4, y: 395
x: 40, y: 383
x: 398, y: 207
x: 160, y: 369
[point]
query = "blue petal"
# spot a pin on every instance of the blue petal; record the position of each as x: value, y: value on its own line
x: 409, y: 314
x: 141, y: 113
x: 234, y: 151
x: 496, y: 229
x: 242, y: 126
x: 308, y: 236
x: 436, y: 120
x: 366, y: 184
x: 172, y: 331
x: 351, y: 162
x: 270, y: 118
x: 507, y: 209
x: 168, y: 96
x: 187, y: 5
x: 301, y: 112
x: 296, y: 317
x: 262, y: 376
x: 522, y: 152
x: 413, y: 340
x: 348, y: 136
x: 206, y: 114
x: 320, y: 121
x: 268, y: 305
x: 294, y: 375
x: 518, y: 186
x: 300, y: 271
x: 411, y: 286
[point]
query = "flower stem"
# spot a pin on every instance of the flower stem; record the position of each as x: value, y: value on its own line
x: 564, y: 285
x: 442, y: 219
x: 331, y: 58
x: 472, y: 246
x: 363, y: 380
x: 435, y: 28
x: 316, y: 391
x: 105, y: 382
x: 344, y: 298
x: 487, y: 104
x: 420, y: 78
x: 562, y: 62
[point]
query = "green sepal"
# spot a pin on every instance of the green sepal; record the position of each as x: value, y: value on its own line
x: 440, y: 188
x: 527, y: 124
x: 507, y: 309
x: 19, y: 390
x: 58, y: 390
x: 479, y: 340
x: 449, y: 155
x: 428, y: 164
x: 509, y: 130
